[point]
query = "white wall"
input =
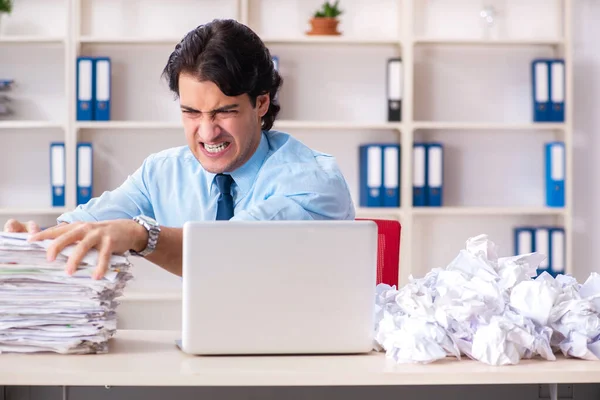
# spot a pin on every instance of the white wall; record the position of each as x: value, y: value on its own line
x: 587, y: 140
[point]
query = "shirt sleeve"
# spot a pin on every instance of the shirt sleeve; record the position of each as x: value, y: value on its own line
x: 130, y: 199
x: 299, y: 194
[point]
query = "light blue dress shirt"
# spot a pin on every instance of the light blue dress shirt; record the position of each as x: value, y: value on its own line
x: 283, y: 180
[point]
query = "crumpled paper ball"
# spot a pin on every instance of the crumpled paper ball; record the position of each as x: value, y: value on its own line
x: 488, y: 308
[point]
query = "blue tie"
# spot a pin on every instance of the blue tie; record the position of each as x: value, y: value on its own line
x: 225, y: 200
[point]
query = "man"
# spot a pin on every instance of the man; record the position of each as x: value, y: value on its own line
x: 234, y: 166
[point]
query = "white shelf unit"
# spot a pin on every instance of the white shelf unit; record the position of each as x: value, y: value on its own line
x: 30, y: 125
x: 486, y: 43
x: 11, y: 212
x: 349, y: 106
x: 31, y: 40
x: 279, y: 124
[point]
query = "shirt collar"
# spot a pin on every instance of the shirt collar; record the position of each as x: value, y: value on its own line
x: 245, y: 175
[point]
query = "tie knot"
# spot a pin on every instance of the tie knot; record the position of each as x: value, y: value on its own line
x: 224, y: 183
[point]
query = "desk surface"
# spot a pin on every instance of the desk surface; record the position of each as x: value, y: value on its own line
x: 151, y: 358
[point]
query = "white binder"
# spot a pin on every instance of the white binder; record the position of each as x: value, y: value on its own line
x: 542, y: 246
x: 57, y: 173
x: 557, y: 258
x: 525, y: 241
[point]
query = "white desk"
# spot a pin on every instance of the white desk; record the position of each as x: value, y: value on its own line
x: 150, y: 358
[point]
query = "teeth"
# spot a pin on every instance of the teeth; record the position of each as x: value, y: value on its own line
x: 211, y: 148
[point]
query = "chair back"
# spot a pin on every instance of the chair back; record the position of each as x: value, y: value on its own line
x: 388, y: 250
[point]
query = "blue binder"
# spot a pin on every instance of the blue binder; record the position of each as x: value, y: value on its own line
x: 371, y: 175
x: 555, y: 174
x: 435, y: 174
x: 102, y: 88
x: 57, y: 173
x: 524, y: 240
x: 540, y: 84
x: 85, y: 88
x: 557, y: 251
x: 391, y: 175
x: 419, y: 175
x: 542, y: 246
x: 557, y: 90
x: 6, y: 84
x: 84, y: 172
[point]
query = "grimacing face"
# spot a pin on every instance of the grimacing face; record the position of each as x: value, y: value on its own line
x: 223, y: 132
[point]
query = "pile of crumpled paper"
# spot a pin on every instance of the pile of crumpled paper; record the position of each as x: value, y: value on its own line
x: 490, y: 309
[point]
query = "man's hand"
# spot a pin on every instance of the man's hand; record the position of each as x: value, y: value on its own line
x: 108, y: 237
x: 12, y: 225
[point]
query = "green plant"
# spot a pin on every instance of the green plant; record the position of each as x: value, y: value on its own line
x: 6, y: 6
x: 328, y: 10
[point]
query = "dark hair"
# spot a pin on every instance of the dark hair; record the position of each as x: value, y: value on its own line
x: 232, y: 56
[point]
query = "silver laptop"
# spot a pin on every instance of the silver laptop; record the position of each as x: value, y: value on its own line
x: 278, y: 287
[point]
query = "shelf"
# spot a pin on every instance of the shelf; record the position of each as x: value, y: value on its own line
x: 31, y: 40
x: 157, y: 294
x: 128, y: 125
x: 171, y: 41
x: 363, y: 41
x: 491, y: 211
x: 269, y: 41
x: 291, y: 124
x: 32, y: 211
x: 420, y: 34
x: 488, y: 125
x: 282, y: 124
x: 378, y: 212
x: 489, y: 43
x: 30, y: 125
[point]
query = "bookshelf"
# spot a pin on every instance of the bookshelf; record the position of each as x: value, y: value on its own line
x: 333, y: 99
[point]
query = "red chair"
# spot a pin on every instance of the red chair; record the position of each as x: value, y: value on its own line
x: 388, y: 250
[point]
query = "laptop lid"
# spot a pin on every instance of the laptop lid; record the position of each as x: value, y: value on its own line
x: 278, y: 287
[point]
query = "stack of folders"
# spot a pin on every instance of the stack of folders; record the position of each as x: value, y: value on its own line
x: 379, y: 175
x: 547, y: 240
x: 5, y: 86
x: 548, y: 89
x: 84, y: 175
x: 93, y: 88
x: 428, y: 174
x: 43, y: 309
x: 555, y: 174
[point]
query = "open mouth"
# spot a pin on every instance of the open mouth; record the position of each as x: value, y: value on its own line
x: 215, y: 148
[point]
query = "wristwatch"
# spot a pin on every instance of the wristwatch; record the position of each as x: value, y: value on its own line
x: 153, y: 231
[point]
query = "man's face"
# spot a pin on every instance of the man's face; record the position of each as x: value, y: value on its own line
x: 223, y: 132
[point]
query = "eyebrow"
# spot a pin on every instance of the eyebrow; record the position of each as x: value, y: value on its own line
x: 216, y: 110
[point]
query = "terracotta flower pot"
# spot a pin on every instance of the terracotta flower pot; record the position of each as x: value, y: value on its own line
x: 324, y: 26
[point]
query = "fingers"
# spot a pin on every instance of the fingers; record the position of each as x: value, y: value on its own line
x: 103, y: 259
x: 86, y: 243
x: 68, y: 235
x: 53, y: 232
x: 32, y: 227
x: 12, y: 225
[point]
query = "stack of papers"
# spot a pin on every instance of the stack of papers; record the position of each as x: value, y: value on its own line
x: 43, y: 309
x: 489, y: 308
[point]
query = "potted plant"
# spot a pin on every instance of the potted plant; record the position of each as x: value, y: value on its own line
x: 325, y: 21
x: 5, y: 8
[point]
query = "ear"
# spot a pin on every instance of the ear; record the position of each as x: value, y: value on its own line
x: 262, y: 104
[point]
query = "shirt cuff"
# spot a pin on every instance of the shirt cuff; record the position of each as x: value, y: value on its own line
x: 77, y: 215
